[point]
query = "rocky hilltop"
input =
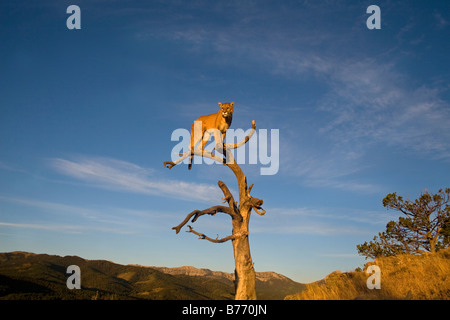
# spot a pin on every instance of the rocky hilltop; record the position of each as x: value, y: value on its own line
x: 192, y: 271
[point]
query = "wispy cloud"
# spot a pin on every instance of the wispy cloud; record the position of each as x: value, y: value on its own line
x: 120, y: 175
x: 441, y: 22
x: 65, y: 228
x: 8, y: 167
x: 370, y: 105
x: 51, y: 206
x: 83, y: 219
x: 370, y: 102
x: 373, y: 103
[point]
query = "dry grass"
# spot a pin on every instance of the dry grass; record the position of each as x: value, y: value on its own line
x: 425, y: 277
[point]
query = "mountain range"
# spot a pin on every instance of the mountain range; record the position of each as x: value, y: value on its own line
x: 31, y: 276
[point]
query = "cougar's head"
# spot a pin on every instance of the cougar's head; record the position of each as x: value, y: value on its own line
x: 226, y: 109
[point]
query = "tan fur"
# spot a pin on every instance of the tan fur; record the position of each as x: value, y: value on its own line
x: 221, y: 120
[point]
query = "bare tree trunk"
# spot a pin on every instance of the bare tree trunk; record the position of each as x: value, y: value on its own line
x: 244, y: 271
x: 240, y: 215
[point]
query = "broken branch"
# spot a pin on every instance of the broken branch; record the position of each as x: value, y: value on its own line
x: 256, y: 204
x: 228, y: 196
x: 197, y: 213
x: 217, y: 240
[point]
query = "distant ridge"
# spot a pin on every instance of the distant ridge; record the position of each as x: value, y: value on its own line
x: 192, y: 271
x: 26, y: 275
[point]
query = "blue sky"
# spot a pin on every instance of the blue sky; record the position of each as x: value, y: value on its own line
x: 86, y: 118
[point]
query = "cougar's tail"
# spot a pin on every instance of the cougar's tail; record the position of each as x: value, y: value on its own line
x: 190, y: 162
x: 191, y: 147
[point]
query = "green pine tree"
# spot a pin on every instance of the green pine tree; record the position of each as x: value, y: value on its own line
x: 425, y: 226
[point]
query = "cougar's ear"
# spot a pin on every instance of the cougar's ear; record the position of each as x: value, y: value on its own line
x: 220, y: 104
x: 232, y: 104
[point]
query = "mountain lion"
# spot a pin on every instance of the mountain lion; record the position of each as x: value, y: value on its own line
x: 215, y: 123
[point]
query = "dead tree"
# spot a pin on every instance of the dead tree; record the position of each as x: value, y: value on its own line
x: 238, y: 211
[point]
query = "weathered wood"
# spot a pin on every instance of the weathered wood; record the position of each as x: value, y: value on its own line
x: 197, y: 213
x: 244, y: 271
x: 217, y: 240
